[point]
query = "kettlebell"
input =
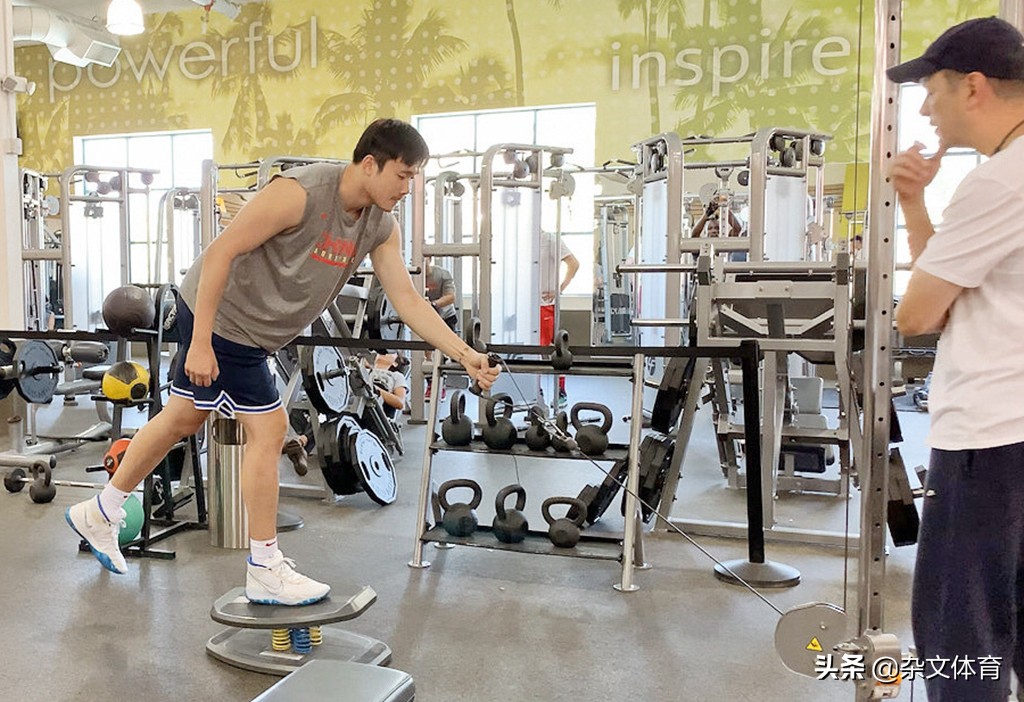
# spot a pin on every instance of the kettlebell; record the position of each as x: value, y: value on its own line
x: 591, y: 440
x: 500, y: 432
x: 560, y: 440
x: 457, y: 428
x: 460, y: 518
x: 537, y: 437
x: 564, y: 532
x: 42, y: 489
x: 561, y: 357
x: 510, y: 526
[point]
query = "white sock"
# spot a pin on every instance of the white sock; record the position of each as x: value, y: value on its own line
x: 262, y: 551
x: 111, y: 501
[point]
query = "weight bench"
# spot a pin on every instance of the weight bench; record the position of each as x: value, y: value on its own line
x: 340, y: 681
x: 90, y: 382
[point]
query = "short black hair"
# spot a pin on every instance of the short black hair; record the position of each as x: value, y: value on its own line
x: 387, y: 139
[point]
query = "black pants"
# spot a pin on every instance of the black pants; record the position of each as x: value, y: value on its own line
x: 968, y: 604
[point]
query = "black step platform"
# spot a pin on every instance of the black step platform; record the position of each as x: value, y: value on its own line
x: 247, y: 642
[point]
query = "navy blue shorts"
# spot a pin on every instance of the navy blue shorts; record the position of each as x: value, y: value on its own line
x: 244, y: 385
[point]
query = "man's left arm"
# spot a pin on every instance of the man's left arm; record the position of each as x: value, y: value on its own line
x: 390, y: 269
x: 572, y: 264
x: 924, y: 308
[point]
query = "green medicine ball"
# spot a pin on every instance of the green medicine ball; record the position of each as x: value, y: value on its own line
x: 131, y: 525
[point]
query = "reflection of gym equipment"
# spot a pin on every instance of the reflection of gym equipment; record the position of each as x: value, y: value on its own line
x: 504, y: 249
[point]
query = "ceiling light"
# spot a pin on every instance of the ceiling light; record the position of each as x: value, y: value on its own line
x: 124, y: 17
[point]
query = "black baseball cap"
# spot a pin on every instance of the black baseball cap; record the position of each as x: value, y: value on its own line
x: 987, y: 45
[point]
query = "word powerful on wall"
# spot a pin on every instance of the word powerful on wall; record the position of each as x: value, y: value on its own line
x: 196, y: 60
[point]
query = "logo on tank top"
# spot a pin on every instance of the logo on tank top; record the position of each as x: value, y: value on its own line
x: 333, y: 250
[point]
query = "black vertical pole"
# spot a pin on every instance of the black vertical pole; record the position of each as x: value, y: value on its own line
x: 752, y: 432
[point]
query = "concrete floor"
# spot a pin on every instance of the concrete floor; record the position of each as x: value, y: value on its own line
x: 477, y: 625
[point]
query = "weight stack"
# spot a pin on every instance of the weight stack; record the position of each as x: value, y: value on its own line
x: 229, y: 523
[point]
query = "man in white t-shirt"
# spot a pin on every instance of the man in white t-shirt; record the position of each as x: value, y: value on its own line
x: 968, y: 283
x: 553, y: 252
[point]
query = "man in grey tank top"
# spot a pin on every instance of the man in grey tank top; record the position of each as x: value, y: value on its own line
x: 270, y: 273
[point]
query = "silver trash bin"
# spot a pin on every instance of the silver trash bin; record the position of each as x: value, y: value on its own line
x: 229, y: 522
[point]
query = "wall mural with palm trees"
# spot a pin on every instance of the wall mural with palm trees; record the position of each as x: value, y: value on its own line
x: 305, y: 76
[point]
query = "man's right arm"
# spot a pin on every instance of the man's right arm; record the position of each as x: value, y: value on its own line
x: 910, y: 174
x: 277, y: 207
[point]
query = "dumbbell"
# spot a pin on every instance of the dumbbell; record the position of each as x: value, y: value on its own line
x: 499, y: 432
x: 561, y: 357
x: 590, y: 439
x: 30, y: 367
x: 460, y: 518
x: 564, y: 532
x: 510, y: 525
x: 41, y: 486
x: 457, y: 428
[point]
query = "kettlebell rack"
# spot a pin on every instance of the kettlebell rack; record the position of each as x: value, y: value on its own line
x: 625, y: 546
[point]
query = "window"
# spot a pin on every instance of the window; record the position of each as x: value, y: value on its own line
x: 956, y: 164
x: 571, y: 126
x: 178, y: 157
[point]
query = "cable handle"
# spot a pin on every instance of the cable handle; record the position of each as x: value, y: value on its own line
x: 493, y: 360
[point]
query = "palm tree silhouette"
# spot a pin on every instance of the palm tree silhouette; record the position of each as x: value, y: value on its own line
x: 651, y: 11
x: 517, y: 47
x: 385, y: 63
x: 250, y: 110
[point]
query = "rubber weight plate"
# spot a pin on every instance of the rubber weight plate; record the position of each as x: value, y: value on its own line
x: 335, y: 467
x: 327, y: 394
x: 38, y: 370
x: 7, y: 349
x: 374, y: 468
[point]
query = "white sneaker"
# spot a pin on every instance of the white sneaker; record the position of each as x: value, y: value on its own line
x: 89, y: 522
x: 277, y: 583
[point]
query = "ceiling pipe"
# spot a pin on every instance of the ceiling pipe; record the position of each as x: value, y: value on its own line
x: 225, y: 7
x: 70, y: 39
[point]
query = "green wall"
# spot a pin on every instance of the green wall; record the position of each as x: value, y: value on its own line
x: 304, y: 76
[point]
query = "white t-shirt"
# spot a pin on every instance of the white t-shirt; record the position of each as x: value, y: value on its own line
x: 550, y: 266
x: 387, y: 379
x: 977, y: 394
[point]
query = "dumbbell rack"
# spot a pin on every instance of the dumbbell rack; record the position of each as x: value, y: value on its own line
x: 277, y: 639
x: 595, y: 542
x: 625, y: 547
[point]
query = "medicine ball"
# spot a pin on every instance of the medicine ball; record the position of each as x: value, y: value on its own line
x: 126, y: 380
x: 114, y: 455
x: 128, y: 307
x: 131, y: 525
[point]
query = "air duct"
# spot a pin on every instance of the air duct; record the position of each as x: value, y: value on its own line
x: 69, y: 38
x: 225, y: 7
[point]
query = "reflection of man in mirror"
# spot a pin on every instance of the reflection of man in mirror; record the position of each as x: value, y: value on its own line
x: 440, y: 293
x: 553, y: 251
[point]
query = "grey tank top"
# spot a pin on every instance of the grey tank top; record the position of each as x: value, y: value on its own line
x: 276, y: 290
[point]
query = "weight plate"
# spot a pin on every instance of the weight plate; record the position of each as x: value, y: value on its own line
x: 668, y: 403
x: 335, y: 466
x: 382, y: 321
x: 586, y: 496
x: 374, y: 468
x: 38, y: 370
x: 7, y: 349
x: 655, y: 458
x: 606, y: 492
x: 329, y: 395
